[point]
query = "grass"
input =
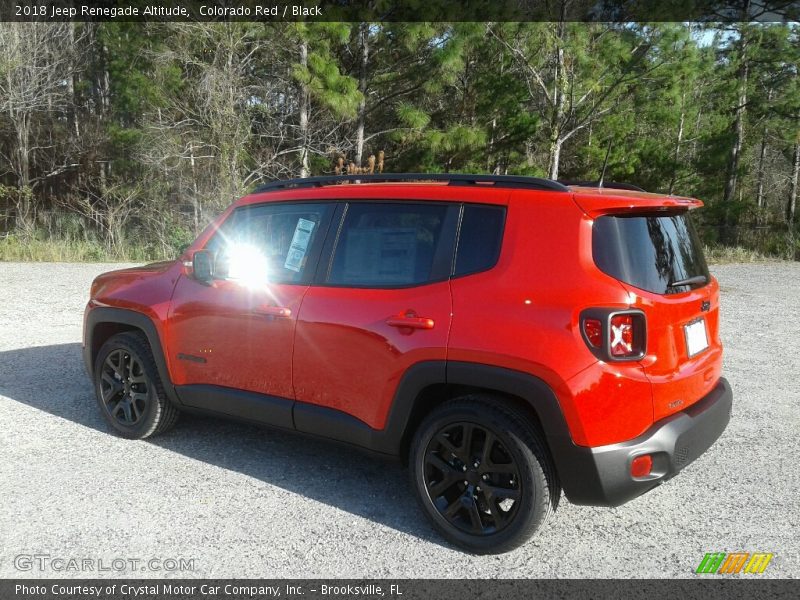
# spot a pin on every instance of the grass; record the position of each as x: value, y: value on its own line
x: 34, y: 249
x: 724, y: 255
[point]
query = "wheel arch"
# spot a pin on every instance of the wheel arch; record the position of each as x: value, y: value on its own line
x: 104, y: 322
x: 426, y: 385
x: 434, y: 395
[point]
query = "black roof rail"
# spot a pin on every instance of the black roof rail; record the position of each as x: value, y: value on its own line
x: 508, y: 181
x: 613, y: 185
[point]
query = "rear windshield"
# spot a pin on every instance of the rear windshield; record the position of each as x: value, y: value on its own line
x: 650, y: 252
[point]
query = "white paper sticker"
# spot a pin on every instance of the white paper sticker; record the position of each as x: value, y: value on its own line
x: 380, y: 255
x: 299, y: 245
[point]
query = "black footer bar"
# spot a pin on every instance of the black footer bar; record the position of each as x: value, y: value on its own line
x: 397, y: 589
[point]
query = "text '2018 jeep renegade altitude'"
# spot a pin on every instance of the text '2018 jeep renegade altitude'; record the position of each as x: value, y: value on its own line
x: 509, y: 337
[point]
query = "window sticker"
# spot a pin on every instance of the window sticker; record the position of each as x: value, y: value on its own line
x: 299, y: 245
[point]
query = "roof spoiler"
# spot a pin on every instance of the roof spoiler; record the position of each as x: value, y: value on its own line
x: 613, y: 185
x: 596, y: 205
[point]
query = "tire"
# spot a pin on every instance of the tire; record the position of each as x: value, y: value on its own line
x: 497, y: 505
x: 128, y: 389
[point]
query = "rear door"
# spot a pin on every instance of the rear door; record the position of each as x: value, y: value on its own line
x: 380, y: 304
x: 658, y: 258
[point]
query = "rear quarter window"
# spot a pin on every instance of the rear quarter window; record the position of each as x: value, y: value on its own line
x: 479, y: 239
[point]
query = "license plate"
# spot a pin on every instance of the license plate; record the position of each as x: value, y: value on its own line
x: 696, y: 337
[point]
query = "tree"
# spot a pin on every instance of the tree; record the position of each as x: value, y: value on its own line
x: 141, y: 132
x: 327, y: 95
x: 575, y: 73
x: 35, y: 64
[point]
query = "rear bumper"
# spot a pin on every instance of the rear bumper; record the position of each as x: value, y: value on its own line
x: 600, y: 476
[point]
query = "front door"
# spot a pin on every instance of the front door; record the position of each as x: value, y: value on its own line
x: 235, y: 336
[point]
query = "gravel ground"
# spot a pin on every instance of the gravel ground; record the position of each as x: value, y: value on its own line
x: 248, y: 502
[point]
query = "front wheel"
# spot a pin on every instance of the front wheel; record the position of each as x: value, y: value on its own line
x: 482, y: 474
x: 128, y: 389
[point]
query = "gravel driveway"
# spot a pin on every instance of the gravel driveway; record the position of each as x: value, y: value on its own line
x: 248, y: 502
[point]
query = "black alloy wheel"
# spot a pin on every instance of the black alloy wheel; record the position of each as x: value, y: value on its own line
x: 472, y: 479
x: 128, y: 387
x: 124, y: 387
x: 482, y: 473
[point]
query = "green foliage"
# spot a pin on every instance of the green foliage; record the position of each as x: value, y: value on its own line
x: 46, y: 248
x: 179, y: 239
x: 328, y: 86
x: 411, y: 116
x: 158, y: 126
x: 321, y: 76
x: 722, y: 255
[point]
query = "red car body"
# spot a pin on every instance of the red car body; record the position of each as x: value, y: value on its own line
x: 335, y: 361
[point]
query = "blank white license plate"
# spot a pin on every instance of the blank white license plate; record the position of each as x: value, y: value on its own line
x: 696, y: 337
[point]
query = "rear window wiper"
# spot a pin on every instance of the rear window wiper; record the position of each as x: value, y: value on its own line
x: 689, y: 281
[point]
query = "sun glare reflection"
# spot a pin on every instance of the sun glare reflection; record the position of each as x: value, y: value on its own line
x: 247, y: 265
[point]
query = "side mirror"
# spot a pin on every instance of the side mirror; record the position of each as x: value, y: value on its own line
x: 203, y: 266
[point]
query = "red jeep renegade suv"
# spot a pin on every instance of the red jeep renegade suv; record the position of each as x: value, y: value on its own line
x: 509, y: 337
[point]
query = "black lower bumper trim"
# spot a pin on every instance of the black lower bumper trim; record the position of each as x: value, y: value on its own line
x: 601, y: 476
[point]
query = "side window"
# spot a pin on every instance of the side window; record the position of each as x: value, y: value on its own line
x: 388, y: 244
x: 480, y: 238
x: 269, y: 242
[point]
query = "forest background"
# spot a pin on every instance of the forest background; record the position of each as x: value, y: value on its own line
x: 121, y: 141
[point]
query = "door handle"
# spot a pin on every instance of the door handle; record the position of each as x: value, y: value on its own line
x: 410, y: 320
x: 274, y: 311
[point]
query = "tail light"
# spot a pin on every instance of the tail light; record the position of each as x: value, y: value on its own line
x: 614, y: 335
x: 621, y: 335
x: 593, y: 330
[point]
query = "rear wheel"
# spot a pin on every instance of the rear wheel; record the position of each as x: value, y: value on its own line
x: 128, y: 389
x: 482, y: 474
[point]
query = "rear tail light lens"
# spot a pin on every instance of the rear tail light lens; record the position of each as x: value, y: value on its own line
x: 613, y: 335
x: 621, y: 334
x: 593, y: 329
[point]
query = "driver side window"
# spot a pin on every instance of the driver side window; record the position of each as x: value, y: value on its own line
x: 268, y: 242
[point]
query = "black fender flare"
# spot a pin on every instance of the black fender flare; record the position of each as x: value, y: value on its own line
x: 131, y: 318
x: 576, y: 474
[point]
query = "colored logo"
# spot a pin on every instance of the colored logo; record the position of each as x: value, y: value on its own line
x: 734, y: 562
